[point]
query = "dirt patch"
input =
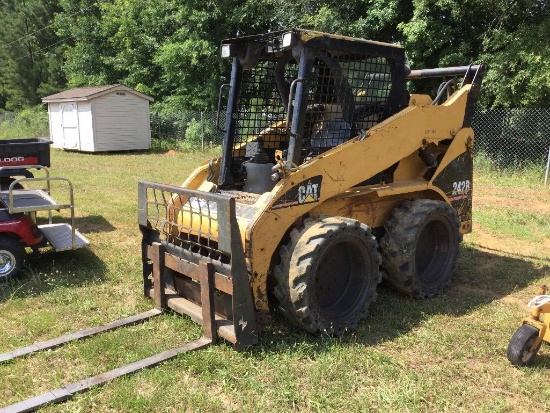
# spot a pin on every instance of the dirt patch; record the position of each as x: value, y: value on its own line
x: 525, y: 204
x: 171, y: 152
x: 518, y: 192
x: 490, y: 295
x: 484, y: 238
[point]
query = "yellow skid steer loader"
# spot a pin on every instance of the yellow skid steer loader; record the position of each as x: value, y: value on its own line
x: 332, y: 177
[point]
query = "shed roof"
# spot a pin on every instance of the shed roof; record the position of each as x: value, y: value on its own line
x: 90, y: 92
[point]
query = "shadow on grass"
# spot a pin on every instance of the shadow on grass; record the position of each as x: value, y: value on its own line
x: 87, y: 225
x: 541, y: 360
x: 51, y: 270
x: 482, y: 277
x: 93, y: 224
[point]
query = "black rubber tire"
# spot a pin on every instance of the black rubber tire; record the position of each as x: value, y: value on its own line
x: 12, y: 257
x: 518, y: 348
x: 328, y: 274
x: 5, y: 184
x: 420, y: 247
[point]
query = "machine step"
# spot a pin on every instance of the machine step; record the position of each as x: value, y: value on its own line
x: 182, y: 306
x: 28, y: 200
x: 61, y: 237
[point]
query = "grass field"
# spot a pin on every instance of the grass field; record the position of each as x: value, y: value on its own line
x: 444, y: 354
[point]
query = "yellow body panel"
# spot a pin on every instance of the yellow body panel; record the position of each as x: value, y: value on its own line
x: 346, y: 166
x: 342, y: 168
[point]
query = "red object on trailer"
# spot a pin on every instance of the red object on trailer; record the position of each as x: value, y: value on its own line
x: 24, y: 228
x: 19, y: 206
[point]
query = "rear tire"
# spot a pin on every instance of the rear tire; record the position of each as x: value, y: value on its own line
x: 12, y: 256
x: 328, y: 275
x: 420, y: 247
x: 518, y: 348
x: 5, y: 184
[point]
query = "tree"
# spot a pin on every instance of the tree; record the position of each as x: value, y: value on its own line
x: 170, y: 49
x: 87, y: 48
x: 518, y: 61
x: 507, y: 37
x: 30, y: 53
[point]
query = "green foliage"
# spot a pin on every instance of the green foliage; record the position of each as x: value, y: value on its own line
x: 170, y: 49
x: 526, y: 174
x: 29, y: 123
x: 30, y: 52
x: 440, y: 32
x: 195, y: 134
x: 519, y: 74
x: 507, y: 37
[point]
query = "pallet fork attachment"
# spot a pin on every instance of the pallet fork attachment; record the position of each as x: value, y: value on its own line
x: 191, y: 238
x: 66, y: 392
x: 207, y: 280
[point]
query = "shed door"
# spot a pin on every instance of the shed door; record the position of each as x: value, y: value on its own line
x: 69, y: 123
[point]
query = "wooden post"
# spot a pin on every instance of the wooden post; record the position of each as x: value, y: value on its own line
x: 206, y: 272
x: 159, y: 282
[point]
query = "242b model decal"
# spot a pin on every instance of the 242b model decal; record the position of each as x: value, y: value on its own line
x: 461, y: 187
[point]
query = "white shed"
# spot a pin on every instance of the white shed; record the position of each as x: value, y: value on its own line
x: 99, y: 119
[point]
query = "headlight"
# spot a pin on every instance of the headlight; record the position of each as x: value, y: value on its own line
x: 289, y: 39
x: 227, y: 50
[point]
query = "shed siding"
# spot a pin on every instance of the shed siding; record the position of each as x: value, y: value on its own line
x: 56, y: 130
x: 121, y: 122
x: 85, y: 127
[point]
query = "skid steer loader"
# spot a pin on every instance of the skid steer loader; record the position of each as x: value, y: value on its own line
x: 332, y: 177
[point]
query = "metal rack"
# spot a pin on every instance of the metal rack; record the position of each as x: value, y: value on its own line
x: 62, y: 236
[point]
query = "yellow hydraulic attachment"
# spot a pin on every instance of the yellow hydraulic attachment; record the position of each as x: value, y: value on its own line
x: 534, y: 329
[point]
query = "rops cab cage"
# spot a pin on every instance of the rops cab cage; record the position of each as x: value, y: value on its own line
x: 305, y: 100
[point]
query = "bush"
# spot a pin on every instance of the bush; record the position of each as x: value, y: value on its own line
x: 193, y: 134
x: 29, y: 123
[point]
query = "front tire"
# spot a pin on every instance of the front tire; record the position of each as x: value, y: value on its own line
x: 420, y: 247
x: 520, y: 345
x: 12, y: 256
x: 328, y: 275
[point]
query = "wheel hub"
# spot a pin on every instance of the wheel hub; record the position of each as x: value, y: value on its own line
x: 340, y: 281
x: 7, y: 261
x: 432, y: 252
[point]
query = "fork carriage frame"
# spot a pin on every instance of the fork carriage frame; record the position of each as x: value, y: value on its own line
x: 174, y: 276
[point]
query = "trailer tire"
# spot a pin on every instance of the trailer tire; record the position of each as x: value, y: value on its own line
x: 12, y: 257
x: 420, y: 247
x: 328, y: 275
x: 518, y: 348
x: 5, y: 184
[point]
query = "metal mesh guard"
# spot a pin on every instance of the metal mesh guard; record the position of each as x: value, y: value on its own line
x: 347, y: 93
x: 194, y: 220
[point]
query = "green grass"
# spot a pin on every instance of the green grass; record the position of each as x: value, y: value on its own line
x: 525, y: 174
x: 515, y: 224
x: 444, y: 354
